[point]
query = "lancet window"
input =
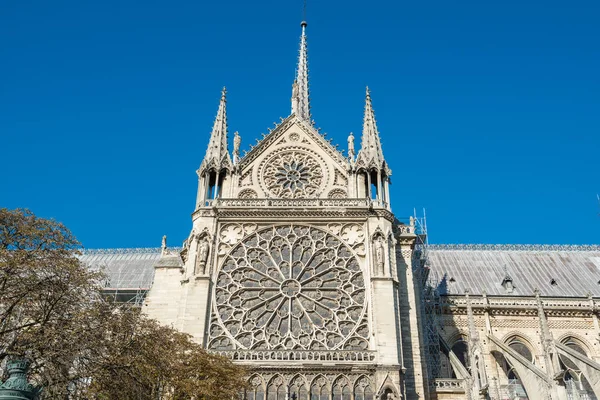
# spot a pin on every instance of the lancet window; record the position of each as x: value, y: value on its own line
x: 323, y: 387
x: 576, y: 384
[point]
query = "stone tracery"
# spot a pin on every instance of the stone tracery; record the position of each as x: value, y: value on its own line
x: 290, y: 287
x: 293, y: 174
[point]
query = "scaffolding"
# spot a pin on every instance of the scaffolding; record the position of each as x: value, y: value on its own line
x: 430, y: 299
x: 129, y: 272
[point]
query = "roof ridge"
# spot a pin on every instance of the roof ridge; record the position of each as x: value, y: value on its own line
x: 516, y: 247
x: 128, y: 250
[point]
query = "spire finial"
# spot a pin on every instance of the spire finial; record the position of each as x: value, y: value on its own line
x: 300, y: 97
x: 217, y: 152
x: 370, y: 151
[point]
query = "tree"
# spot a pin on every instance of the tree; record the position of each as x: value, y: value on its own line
x: 81, y: 344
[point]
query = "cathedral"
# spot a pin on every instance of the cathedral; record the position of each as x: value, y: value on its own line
x: 297, y: 268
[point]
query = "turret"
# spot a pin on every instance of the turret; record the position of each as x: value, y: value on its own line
x: 214, y: 174
x: 372, y: 171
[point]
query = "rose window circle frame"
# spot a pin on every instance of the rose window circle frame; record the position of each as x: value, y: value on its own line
x: 315, y: 299
x: 293, y: 173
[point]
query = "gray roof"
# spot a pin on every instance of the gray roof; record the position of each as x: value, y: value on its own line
x: 454, y: 268
x: 569, y: 271
x: 126, y: 268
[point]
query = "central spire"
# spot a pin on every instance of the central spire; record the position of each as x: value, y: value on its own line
x: 300, y: 98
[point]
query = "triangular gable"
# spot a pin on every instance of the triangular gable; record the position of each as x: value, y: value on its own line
x: 277, y: 134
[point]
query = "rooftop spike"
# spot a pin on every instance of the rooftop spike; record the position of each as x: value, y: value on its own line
x: 370, y: 152
x: 300, y: 97
x: 217, y: 153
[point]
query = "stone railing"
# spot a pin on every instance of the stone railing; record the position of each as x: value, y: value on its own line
x: 254, y: 203
x: 449, y: 385
x: 500, y: 302
x: 298, y: 355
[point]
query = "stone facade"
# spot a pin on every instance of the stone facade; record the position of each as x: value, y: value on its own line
x: 296, y: 267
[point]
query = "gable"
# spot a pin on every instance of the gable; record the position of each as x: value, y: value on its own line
x: 293, y: 161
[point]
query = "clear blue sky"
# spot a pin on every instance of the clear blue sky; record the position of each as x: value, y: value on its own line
x: 489, y: 111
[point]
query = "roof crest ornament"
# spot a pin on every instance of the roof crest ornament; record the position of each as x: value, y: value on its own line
x: 300, y: 96
x: 217, y: 152
x: 516, y: 247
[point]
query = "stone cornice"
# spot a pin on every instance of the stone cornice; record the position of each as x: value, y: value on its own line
x: 294, y: 208
x: 519, y: 306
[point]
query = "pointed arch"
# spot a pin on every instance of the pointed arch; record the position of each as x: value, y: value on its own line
x: 341, y: 388
x: 577, y: 343
x: 276, y: 389
x: 256, y: 388
x: 320, y: 388
x: 363, y: 389
x: 518, y: 335
x: 298, y: 388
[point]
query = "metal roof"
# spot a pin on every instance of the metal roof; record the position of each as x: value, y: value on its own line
x: 557, y: 271
x: 126, y: 268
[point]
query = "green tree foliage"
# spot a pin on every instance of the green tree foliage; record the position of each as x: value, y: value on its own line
x: 83, y: 346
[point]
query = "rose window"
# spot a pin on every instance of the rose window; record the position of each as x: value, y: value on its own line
x: 293, y: 175
x: 291, y: 287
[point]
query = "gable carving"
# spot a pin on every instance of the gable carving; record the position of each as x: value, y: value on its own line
x: 293, y: 162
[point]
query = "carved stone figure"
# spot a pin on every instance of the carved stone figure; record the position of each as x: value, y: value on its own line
x: 201, y: 259
x: 379, y: 254
x: 237, y: 141
x: 351, y: 145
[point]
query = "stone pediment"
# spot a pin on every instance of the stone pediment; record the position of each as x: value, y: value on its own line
x: 277, y: 134
x: 293, y: 161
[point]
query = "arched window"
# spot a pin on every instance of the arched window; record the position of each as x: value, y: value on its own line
x: 319, y: 389
x: 298, y: 389
x: 276, y: 389
x: 520, y: 346
x: 461, y: 349
x: 362, y: 389
x: 341, y: 390
x: 512, y: 387
x: 575, y: 382
x: 256, y: 391
x: 576, y: 345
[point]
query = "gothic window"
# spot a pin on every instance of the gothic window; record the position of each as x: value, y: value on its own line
x: 255, y: 390
x: 461, y: 350
x: 291, y: 287
x: 293, y: 174
x: 520, y: 347
x: 341, y: 390
x: 298, y: 389
x: 513, y: 386
x: 576, y: 345
x: 319, y: 389
x: 362, y: 389
x: 575, y: 382
x: 276, y: 389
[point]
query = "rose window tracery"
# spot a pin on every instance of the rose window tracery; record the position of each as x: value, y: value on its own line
x: 291, y: 287
x: 293, y: 174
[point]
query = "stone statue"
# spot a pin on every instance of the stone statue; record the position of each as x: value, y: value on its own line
x: 163, y: 245
x: 202, y: 257
x: 379, y: 255
x: 351, y: 146
x: 237, y: 141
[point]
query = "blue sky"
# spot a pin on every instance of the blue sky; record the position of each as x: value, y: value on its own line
x: 489, y: 111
